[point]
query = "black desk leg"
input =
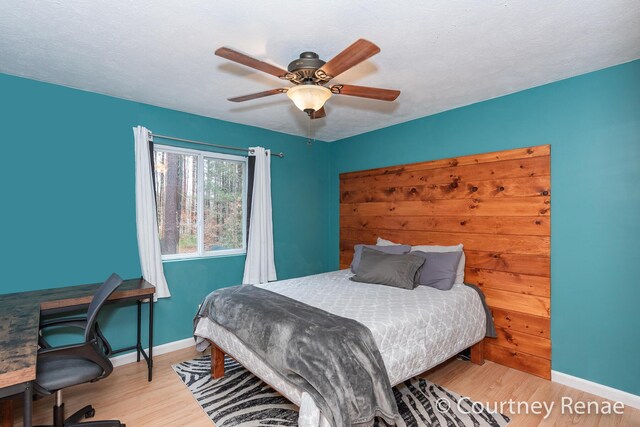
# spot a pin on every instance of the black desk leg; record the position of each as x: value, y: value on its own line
x: 150, y: 365
x: 27, y: 410
x: 139, y: 341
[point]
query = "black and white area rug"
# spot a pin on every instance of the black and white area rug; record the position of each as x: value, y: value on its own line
x: 242, y: 399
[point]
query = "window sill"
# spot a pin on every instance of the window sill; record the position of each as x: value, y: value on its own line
x: 208, y: 256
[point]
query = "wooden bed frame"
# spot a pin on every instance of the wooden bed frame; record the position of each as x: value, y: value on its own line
x: 498, y: 205
x: 217, y: 358
x: 217, y: 361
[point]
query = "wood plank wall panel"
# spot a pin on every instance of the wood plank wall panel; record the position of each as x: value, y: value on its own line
x: 498, y: 205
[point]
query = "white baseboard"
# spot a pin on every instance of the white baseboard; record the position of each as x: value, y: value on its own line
x: 604, y: 391
x: 157, y: 350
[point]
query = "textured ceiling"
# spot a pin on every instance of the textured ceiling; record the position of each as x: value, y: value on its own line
x: 440, y: 54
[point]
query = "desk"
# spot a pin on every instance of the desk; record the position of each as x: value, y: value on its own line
x: 19, y: 327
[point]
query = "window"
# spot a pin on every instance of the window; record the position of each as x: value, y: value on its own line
x: 201, y: 202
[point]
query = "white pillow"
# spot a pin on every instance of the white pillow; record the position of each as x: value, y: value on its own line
x: 383, y: 242
x: 456, y: 248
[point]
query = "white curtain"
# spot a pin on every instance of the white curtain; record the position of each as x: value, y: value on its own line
x: 260, y: 265
x: 146, y: 219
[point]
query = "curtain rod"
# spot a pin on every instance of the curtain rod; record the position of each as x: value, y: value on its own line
x: 226, y: 147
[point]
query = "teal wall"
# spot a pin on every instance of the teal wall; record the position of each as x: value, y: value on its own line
x: 593, y: 125
x: 69, y: 207
x: 68, y: 212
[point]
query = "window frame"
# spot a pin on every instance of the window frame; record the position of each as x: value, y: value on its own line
x: 201, y: 155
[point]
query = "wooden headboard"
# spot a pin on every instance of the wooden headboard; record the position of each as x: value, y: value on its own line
x: 498, y: 206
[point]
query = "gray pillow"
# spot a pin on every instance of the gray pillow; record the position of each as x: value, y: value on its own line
x: 399, y: 271
x: 397, y: 249
x: 439, y: 269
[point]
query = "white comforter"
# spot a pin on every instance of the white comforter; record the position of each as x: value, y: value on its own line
x: 414, y: 330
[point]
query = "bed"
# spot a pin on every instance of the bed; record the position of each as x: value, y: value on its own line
x: 414, y: 330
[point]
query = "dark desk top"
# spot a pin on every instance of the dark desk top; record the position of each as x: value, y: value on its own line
x: 20, y: 319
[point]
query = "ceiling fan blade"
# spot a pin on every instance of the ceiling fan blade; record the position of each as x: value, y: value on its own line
x: 366, y: 92
x: 319, y: 114
x: 243, y: 59
x: 350, y: 57
x: 257, y: 95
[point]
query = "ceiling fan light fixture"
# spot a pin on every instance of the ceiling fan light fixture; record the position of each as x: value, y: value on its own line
x: 309, y: 97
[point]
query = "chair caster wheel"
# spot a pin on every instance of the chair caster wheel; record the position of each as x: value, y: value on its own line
x: 90, y: 414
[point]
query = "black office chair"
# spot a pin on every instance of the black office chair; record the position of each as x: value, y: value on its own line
x: 65, y: 366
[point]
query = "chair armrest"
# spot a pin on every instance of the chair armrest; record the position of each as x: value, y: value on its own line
x: 78, y: 322
x: 63, y: 350
x: 72, y: 322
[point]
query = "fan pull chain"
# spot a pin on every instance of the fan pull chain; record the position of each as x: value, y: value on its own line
x: 309, y: 141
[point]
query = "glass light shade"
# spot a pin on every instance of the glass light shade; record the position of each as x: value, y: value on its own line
x: 309, y: 97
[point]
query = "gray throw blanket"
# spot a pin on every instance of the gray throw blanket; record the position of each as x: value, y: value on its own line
x: 491, y: 329
x: 332, y: 358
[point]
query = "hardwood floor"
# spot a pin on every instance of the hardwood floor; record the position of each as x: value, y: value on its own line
x: 126, y: 395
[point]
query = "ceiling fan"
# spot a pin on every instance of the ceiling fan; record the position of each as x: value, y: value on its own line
x: 310, y: 75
